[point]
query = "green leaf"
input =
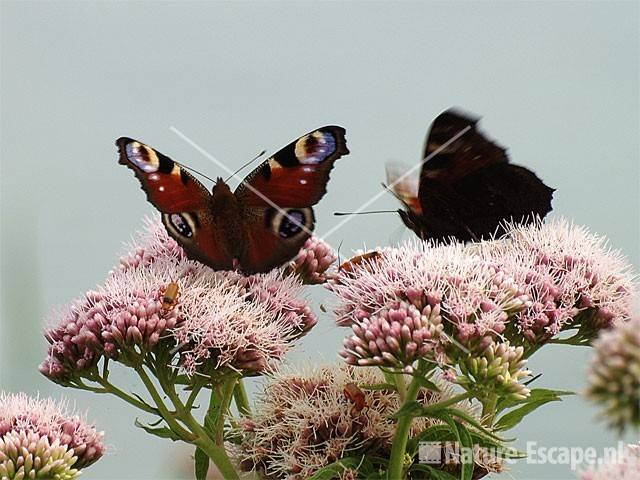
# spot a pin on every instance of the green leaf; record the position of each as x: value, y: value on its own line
x: 514, y: 417
x: 201, y: 464
x: 333, y: 470
x: 413, y: 409
x: 162, y: 432
x: 481, y: 429
x: 440, y: 433
x: 428, y: 384
x: 466, y: 446
x: 536, y: 395
x: 433, y: 473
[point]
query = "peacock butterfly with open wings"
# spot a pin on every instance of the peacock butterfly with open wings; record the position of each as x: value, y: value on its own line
x: 225, y: 229
x: 467, y: 188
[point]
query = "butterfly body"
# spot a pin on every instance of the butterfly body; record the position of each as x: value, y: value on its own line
x: 259, y: 226
x: 467, y: 187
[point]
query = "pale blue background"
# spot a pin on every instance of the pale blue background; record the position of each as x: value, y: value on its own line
x: 556, y: 82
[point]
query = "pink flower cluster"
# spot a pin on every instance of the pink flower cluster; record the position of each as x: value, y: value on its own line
x: 313, y: 261
x: 41, y: 424
x: 526, y: 287
x: 625, y: 468
x: 614, y: 375
x: 395, y: 337
x: 219, y: 318
x: 307, y: 420
x: 569, y: 275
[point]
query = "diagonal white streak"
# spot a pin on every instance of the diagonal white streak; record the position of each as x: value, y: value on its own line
x: 398, y: 180
x: 233, y: 174
x: 342, y: 223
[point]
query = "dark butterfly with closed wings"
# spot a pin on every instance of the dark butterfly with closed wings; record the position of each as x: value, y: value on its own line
x: 467, y: 188
x: 259, y: 226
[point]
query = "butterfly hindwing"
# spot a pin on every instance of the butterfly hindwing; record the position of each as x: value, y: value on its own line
x: 274, y: 236
x: 404, y: 185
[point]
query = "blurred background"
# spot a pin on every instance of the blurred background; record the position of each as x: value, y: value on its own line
x: 556, y: 82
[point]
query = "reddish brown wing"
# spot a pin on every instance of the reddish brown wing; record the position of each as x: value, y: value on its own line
x: 276, y: 198
x: 468, y: 188
x: 297, y: 175
x: 454, y: 148
x: 274, y: 236
x: 169, y: 188
x: 183, y: 201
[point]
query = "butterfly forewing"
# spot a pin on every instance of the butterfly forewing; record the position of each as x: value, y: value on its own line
x: 278, y: 195
x: 184, y: 203
x: 170, y: 188
x: 468, y: 188
x: 297, y: 175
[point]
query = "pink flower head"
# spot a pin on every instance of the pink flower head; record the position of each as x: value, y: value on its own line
x: 625, y: 468
x: 48, y: 439
x: 243, y: 323
x: 471, y: 296
x: 568, y: 274
x: 395, y: 337
x: 307, y: 420
x: 152, y: 243
x: 526, y: 287
x: 218, y: 318
x: 614, y: 376
x: 313, y: 261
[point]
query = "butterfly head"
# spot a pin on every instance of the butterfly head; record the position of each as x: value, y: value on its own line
x: 220, y: 188
x: 414, y: 221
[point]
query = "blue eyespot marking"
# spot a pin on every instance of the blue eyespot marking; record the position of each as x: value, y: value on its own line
x: 315, y: 147
x: 292, y: 223
x: 142, y: 157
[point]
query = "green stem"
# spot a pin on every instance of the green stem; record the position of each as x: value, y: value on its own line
x: 226, y: 396
x: 167, y: 416
x: 111, y: 388
x: 214, y: 450
x: 241, y: 398
x: 108, y: 387
x: 489, y: 410
x: 192, y: 396
x: 434, y: 407
x: 399, y: 445
x: 218, y: 456
x: 216, y: 453
x: 401, y: 386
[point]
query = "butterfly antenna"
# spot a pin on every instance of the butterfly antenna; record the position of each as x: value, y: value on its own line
x: 392, y: 192
x: 246, y: 164
x: 194, y: 171
x: 340, y: 214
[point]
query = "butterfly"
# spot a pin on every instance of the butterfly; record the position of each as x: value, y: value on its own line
x: 467, y: 188
x: 258, y: 227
